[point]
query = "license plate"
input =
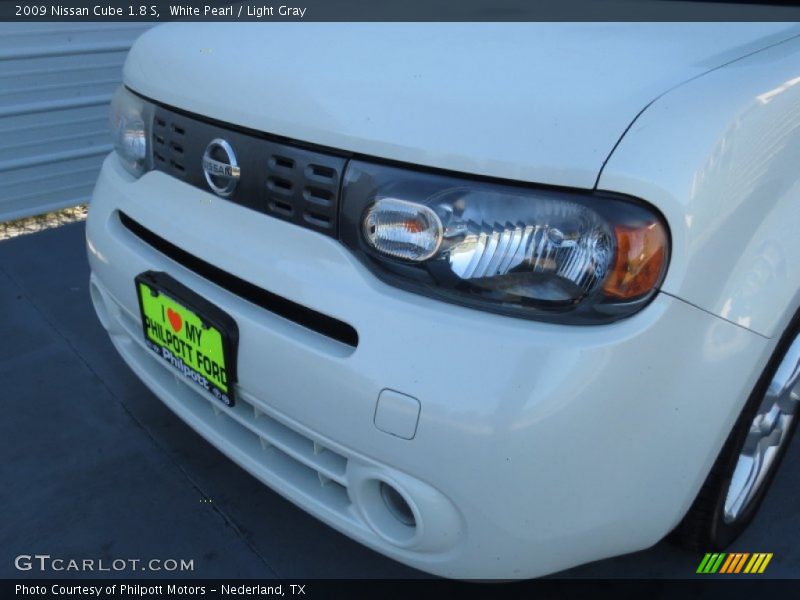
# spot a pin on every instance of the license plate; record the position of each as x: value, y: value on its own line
x: 189, y: 334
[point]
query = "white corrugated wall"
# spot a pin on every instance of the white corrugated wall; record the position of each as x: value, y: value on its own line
x: 56, y: 80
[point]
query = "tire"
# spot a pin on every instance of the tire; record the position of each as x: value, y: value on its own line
x: 724, y: 507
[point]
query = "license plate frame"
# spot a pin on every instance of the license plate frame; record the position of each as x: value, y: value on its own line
x: 175, y: 334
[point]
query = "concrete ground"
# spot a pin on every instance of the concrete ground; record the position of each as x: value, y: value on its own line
x: 94, y: 466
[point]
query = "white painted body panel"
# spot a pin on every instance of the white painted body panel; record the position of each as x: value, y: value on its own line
x: 538, y: 446
x: 719, y: 157
x: 533, y: 101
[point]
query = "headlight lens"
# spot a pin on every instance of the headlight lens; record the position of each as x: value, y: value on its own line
x: 543, y: 254
x: 131, y: 121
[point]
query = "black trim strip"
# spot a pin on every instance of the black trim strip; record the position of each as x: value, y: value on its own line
x: 302, y: 315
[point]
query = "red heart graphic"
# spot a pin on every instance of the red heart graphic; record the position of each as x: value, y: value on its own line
x: 174, y: 320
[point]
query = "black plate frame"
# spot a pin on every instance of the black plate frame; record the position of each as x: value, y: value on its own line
x: 209, y: 313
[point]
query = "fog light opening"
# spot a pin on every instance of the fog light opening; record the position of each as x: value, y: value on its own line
x: 391, y: 513
x: 397, y: 505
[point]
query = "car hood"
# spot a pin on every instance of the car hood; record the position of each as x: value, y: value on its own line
x: 538, y: 102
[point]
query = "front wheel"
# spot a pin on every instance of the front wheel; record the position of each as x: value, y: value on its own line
x: 743, y: 472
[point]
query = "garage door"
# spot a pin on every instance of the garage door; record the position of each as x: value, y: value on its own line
x: 56, y: 80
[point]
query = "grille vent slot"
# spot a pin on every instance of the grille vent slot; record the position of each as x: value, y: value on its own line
x: 168, y: 147
x: 303, y: 190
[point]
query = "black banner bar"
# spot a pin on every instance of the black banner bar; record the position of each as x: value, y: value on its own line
x: 147, y: 589
x: 396, y: 10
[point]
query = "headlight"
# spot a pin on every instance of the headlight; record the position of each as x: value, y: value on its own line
x: 543, y: 254
x: 131, y: 119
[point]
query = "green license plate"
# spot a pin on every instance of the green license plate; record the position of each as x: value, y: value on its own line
x: 189, y: 333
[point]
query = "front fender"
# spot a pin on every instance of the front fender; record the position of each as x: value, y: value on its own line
x: 720, y: 156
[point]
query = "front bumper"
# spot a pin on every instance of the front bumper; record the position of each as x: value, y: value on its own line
x: 538, y: 446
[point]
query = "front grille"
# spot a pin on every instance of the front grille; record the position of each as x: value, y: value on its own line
x: 287, y: 182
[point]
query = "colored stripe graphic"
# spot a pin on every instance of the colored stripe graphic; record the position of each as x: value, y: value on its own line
x: 734, y: 563
x: 727, y: 564
x: 741, y: 562
x: 758, y: 563
x: 711, y: 562
x: 703, y: 563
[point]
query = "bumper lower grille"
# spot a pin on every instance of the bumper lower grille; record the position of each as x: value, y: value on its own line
x: 255, y: 435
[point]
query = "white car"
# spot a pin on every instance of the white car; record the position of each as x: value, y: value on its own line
x: 492, y: 299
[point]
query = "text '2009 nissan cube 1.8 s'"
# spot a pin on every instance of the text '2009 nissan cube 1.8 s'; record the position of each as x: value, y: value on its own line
x: 492, y: 299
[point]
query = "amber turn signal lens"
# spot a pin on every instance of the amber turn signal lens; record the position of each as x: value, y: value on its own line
x: 639, y: 263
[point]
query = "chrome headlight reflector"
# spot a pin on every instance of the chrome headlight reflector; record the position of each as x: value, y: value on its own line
x: 544, y: 254
x: 131, y: 120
